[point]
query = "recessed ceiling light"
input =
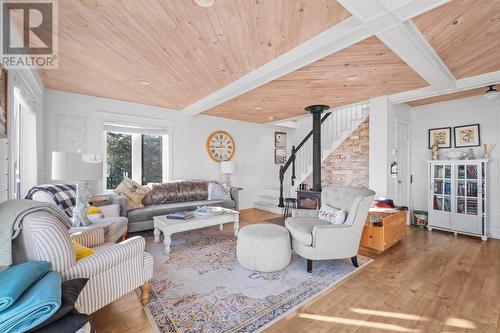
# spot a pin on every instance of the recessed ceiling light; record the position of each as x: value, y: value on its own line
x: 143, y: 82
x: 205, y: 3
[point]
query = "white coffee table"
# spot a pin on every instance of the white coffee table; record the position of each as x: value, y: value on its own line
x: 169, y: 226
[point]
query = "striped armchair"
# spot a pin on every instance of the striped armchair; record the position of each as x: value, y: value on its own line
x: 113, y: 270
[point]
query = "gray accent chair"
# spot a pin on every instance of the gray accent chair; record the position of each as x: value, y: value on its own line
x: 315, y: 239
x: 140, y: 219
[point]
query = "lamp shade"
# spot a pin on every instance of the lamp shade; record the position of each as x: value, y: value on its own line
x: 227, y: 167
x: 69, y: 166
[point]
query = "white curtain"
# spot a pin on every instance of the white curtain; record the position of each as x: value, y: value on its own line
x: 25, y: 163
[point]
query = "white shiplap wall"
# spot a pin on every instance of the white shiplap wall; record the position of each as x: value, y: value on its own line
x: 383, y: 118
x: 472, y: 110
x: 254, y: 156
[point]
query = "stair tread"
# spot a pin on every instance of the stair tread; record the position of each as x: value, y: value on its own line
x: 269, y: 208
x: 346, y: 124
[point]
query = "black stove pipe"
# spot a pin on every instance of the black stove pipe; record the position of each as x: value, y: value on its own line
x: 316, y: 111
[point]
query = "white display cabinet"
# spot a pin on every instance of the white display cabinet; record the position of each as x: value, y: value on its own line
x: 458, y: 196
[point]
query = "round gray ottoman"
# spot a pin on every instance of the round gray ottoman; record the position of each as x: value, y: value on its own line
x: 263, y: 247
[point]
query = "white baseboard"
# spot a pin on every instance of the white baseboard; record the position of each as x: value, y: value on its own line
x: 495, y: 233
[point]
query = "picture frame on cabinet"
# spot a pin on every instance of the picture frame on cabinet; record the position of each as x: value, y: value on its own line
x: 467, y: 136
x: 441, y: 135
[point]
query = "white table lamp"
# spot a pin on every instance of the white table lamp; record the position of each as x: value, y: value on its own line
x: 79, y: 168
x: 227, y: 168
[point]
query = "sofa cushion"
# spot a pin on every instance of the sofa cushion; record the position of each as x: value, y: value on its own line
x: 178, y: 191
x: 133, y: 191
x: 218, y: 192
x: 114, y: 226
x: 301, y: 228
x: 148, y: 212
x: 331, y: 214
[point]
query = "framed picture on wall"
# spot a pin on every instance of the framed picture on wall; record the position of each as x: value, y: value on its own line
x: 3, y: 102
x: 440, y: 135
x: 279, y: 156
x: 467, y: 136
x: 280, y: 139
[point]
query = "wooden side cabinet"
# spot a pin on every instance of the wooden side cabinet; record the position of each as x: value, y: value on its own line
x: 382, y: 230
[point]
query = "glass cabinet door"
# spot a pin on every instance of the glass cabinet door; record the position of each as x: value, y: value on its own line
x: 466, y: 189
x: 441, y: 191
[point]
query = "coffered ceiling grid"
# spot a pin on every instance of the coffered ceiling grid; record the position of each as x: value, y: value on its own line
x: 368, y: 69
x: 174, y: 53
x: 180, y: 56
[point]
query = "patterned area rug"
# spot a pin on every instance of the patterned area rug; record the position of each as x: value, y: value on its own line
x: 202, y: 288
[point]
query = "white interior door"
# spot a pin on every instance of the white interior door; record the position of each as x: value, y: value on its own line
x: 403, y: 159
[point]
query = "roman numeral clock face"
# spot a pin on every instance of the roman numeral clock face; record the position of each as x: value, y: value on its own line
x: 220, y: 146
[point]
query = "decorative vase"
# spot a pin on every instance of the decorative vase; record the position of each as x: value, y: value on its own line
x: 82, y: 204
x: 435, y: 151
x: 487, y: 148
x: 470, y: 155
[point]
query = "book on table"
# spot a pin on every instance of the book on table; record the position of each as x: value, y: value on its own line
x: 182, y: 215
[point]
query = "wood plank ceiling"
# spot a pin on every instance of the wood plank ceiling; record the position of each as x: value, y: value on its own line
x: 448, y: 97
x: 365, y: 70
x: 465, y: 35
x: 179, y: 51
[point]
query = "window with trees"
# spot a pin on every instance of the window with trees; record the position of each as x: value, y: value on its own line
x: 139, y: 156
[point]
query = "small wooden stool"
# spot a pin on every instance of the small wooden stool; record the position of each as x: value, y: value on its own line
x: 289, y: 203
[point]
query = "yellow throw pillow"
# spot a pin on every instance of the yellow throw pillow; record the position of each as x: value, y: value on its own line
x: 93, y: 210
x: 133, y: 191
x: 81, y: 251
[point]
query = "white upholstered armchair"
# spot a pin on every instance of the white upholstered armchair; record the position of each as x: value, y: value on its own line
x: 113, y: 270
x: 316, y: 239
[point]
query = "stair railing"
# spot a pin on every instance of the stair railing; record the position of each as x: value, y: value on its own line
x: 291, y: 162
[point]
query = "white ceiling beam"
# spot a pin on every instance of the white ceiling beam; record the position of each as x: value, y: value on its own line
x: 468, y: 83
x: 370, y: 17
x: 390, y: 21
x: 380, y: 15
x: 407, y: 42
x: 337, y: 38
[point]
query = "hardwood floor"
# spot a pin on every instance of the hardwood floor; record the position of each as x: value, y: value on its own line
x: 430, y: 282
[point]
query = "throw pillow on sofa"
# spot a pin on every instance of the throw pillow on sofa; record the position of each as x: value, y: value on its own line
x: 81, y: 251
x: 92, y: 210
x: 178, y: 191
x: 218, y: 192
x: 133, y: 191
x: 332, y: 215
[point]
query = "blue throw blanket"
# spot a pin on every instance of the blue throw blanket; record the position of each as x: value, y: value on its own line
x: 35, y: 306
x: 17, y: 279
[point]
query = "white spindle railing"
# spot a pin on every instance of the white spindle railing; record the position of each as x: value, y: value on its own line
x: 332, y: 131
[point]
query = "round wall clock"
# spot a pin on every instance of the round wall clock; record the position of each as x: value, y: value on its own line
x: 220, y: 146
